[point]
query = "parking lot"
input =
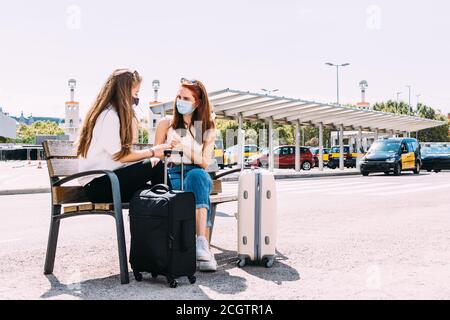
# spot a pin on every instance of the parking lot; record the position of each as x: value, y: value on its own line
x: 382, y: 237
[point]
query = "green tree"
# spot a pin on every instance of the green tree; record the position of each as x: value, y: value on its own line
x: 143, y: 135
x: 27, y: 133
x: 437, y: 134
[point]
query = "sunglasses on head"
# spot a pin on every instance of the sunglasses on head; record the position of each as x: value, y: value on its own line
x: 187, y: 81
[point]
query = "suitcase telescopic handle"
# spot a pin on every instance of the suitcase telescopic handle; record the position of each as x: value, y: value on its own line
x: 167, y: 155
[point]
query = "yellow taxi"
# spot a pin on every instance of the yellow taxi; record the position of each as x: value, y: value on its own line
x: 349, y: 157
x: 392, y: 155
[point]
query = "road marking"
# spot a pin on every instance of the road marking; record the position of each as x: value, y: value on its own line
x: 332, y: 186
x: 406, y: 189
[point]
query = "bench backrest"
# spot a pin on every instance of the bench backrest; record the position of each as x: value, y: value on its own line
x: 62, y: 161
x: 61, y: 158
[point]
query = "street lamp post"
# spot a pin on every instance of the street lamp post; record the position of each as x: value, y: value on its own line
x: 337, y: 74
x: 398, y: 97
x: 337, y: 82
x: 417, y: 106
x: 409, y: 98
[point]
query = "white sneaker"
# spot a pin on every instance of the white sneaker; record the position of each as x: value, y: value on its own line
x: 203, y: 252
x: 208, y: 266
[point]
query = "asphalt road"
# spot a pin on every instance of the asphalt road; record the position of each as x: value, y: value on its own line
x: 381, y: 237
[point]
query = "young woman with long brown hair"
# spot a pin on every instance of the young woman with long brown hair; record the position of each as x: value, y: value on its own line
x: 192, y: 130
x: 106, y: 139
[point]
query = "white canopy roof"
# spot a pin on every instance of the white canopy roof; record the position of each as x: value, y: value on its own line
x: 230, y: 103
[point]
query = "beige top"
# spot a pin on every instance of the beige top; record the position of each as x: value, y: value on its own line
x: 194, y: 152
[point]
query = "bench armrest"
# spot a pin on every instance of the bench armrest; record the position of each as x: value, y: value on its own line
x: 115, y: 185
x: 223, y: 174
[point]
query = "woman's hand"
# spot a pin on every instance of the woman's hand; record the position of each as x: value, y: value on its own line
x: 176, y: 140
x: 159, y: 150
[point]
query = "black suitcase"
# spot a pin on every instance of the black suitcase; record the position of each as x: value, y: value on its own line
x: 162, y: 227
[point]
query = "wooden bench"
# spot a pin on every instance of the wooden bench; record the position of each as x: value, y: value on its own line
x: 71, y: 201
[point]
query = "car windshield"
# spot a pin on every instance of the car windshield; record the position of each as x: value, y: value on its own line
x: 337, y: 149
x: 385, y: 146
x: 219, y: 144
x: 251, y: 149
x: 436, y: 149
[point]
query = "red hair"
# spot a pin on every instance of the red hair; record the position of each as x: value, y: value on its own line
x: 202, y: 112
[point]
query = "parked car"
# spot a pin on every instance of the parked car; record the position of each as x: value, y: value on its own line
x: 230, y: 157
x: 392, y: 155
x: 219, y: 153
x: 315, y: 152
x: 284, y: 157
x: 349, y: 157
x: 435, y: 156
x: 250, y: 150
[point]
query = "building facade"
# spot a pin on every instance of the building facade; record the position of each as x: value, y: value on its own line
x: 7, y: 126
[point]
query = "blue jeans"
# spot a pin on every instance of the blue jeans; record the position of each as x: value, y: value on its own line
x: 197, y: 181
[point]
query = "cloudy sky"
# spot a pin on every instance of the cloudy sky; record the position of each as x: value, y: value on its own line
x: 240, y: 44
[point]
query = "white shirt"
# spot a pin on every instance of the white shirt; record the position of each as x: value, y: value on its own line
x: 104, y: 145
x: 193, y: 151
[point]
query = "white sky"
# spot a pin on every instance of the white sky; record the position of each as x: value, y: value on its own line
x: 241, y: 44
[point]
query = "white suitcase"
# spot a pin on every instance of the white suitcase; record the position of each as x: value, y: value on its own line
x: 257, y: 217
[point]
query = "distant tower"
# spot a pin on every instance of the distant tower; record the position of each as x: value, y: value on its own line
x: 72, y: 117
x: 363, y: 104
x: 153, y: 118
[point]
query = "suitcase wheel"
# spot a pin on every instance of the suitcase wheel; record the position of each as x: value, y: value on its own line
x: 241, y: 262
x: 138, y: 276
x: 154, y: 275
x: 268, y: 262
x: 172, y: 283
x: 192, y: 279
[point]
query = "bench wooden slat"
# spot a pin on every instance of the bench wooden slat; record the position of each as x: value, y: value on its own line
x: 70, y: 209
x: 62, y: 167
x: 217, y: 187
x: 54, y: 148
x: 92, y: 207
x: 104, y: 206
x: 217, y: 199
x: 64, y: 195
x: 86, y: 207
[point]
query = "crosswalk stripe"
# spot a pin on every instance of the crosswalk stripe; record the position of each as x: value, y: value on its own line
x: 406, y: 189
x: 373, y: 190
x: 333, y: 190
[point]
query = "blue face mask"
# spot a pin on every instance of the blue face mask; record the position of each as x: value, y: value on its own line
x: 185, y: 107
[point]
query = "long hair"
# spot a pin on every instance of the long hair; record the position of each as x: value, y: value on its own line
x: 116, y: 92
x: 202, y: 112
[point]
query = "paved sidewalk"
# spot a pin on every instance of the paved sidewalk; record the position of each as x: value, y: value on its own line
x: 383, y: 249
x: 20, y: 177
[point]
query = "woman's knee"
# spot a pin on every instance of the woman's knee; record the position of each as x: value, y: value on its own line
x: 198, y: 177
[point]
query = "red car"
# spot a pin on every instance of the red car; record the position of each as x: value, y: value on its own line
x: 284, y: 157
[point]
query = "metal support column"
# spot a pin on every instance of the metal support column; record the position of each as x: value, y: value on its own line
x: 358, y: 147
x: 241, y: 138
x: 321, y: 146
x: 297, y: 146
x: 341, y: 147
x: 271, y: 159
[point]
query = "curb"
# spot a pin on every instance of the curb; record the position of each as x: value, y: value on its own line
x: 225, y: 179
x: 300, y: 176
x: 24, y: 191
